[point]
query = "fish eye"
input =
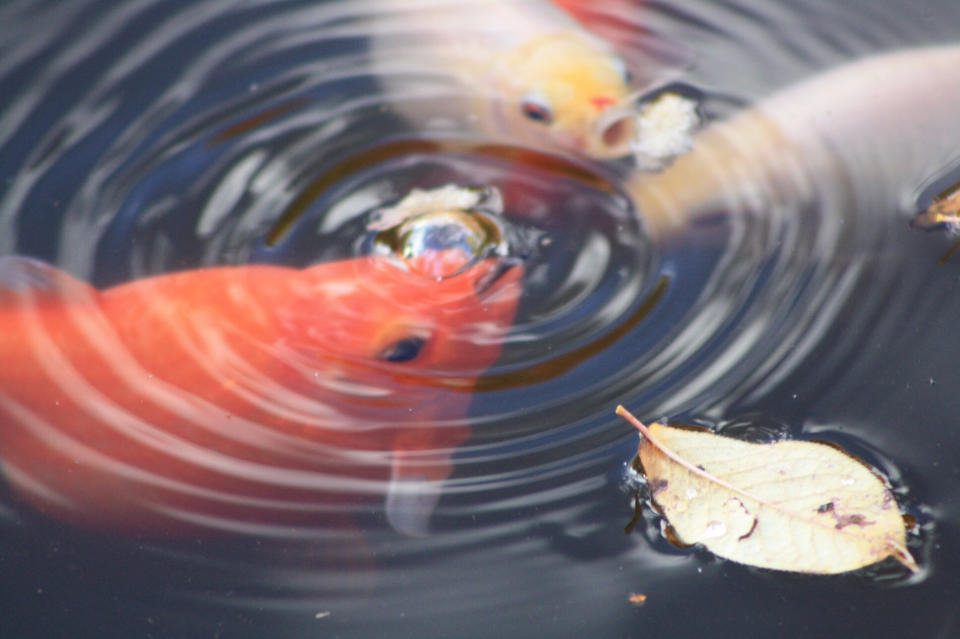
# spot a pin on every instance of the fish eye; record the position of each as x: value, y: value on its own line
x: 536, y: 107
x: 621, y: 68
x: 402, y: 350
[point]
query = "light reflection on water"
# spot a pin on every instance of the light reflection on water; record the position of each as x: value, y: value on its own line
x: 146, y: 138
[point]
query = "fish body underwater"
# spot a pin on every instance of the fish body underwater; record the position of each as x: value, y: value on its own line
x: 240, y: 398
x: 882, y: 127
x: 527, y: 71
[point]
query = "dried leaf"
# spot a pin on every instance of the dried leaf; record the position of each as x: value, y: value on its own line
x: 943, y: 212
x: 792, y: 505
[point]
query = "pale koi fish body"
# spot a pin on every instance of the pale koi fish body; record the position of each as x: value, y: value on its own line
x: 882, y: 128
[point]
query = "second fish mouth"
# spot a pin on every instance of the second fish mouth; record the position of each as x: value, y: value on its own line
x: 613, y: 132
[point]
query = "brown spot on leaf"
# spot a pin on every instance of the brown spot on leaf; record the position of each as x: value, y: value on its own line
x: 749, y: 532
x: 656, y: 485
x: 851, y: 520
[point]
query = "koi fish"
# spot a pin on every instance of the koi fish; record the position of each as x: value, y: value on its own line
x: 534, y: 74
x: 613, y: 20
x: 233, y: 397
x: 886, y: 125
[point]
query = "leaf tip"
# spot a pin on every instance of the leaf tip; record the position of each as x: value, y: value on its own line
x: 903, y: 555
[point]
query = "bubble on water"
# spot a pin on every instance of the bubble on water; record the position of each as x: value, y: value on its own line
x: 440, y: 232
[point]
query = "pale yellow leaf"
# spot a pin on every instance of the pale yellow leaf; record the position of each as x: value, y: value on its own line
x: 792, y: 505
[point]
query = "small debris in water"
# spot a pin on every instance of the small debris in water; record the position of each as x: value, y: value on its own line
x: 665, y: 127
x: 637, y: 598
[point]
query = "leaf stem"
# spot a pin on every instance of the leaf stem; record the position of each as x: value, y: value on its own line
x: 627, y: 415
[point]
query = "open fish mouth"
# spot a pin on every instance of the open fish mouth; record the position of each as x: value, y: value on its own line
x: 614, y: 132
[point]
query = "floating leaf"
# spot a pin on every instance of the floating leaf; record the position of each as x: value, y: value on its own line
x: 791, y: 505
x: 944, y: 211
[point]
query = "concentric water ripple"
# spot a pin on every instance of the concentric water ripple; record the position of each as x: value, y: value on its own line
x: 146, y: 138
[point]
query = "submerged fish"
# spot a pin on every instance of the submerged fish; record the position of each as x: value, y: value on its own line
x: 882, y: 128
x: 528, y: 70
x: 233, y: 398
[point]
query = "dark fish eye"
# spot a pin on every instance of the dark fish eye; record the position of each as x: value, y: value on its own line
x: 622, y: 69
x: 402, y: 350
x: 620, y: 66
x: 536, y: 108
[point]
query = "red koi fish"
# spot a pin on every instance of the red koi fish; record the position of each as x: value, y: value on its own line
x: 235, y: 397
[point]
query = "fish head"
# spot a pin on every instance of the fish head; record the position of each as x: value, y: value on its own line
x: 422, y: 334
x: 376, y: 313
x: 569, y: 87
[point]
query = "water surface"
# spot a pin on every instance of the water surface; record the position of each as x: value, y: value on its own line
x: 140, y: 138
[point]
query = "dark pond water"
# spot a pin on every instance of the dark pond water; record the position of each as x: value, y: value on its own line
x: 140, y: 138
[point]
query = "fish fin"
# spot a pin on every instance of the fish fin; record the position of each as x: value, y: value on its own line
x: 410, y: 504
x: 23, y: 278
x: 413, y: 494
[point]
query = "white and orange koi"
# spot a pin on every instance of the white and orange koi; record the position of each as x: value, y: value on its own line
x: 529, y: 72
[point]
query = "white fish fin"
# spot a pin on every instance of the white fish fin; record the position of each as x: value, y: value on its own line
x: 410, y: 503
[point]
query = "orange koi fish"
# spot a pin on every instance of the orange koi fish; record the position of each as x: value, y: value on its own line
x: 231, y: 398
x: 533, y: 74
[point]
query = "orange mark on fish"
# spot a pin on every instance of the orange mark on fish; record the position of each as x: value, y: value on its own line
x: 602, y: 101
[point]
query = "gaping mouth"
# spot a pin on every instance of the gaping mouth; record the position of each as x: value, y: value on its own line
x: 613, y: 132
